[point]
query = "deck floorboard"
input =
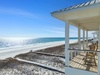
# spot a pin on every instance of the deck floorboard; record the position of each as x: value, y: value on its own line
x: 78, y: 62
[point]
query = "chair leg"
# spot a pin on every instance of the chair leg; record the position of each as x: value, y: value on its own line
x: 95, y: 61
x: 85, y: 60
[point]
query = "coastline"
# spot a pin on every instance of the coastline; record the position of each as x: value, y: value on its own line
x: 47, y: 65
x: 13, y: 51
x: 47, y: 60
x: 42, y: 64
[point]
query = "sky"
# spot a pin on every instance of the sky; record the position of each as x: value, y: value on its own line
x: 32, y: 18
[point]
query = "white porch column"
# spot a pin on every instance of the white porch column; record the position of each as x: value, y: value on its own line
x: 79, y: 42
x: 99, y: 52
x: 67, y: 44
x: 83, y: 39
x: 86, y: 38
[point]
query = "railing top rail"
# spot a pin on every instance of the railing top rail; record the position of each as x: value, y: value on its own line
x: 82, y: 50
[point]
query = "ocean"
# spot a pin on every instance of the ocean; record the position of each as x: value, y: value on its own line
x: 12, y: 47
x: 5, y: 43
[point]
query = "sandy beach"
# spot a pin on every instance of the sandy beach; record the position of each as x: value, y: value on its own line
x: 13, y: 51
x: 11, y: 66
x: 48, y: 59
x: 52, y: 56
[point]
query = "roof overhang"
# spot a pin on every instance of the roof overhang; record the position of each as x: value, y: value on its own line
x: 84, y: 17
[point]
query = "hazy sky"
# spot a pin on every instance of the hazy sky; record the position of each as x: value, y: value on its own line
x: 32, y: 18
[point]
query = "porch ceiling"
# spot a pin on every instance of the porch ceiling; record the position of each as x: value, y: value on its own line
x: 90, y: 24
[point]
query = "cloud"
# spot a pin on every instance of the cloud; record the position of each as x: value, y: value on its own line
x: 19, y: 12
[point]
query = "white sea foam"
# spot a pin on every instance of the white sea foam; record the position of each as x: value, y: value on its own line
x: 12, y: 51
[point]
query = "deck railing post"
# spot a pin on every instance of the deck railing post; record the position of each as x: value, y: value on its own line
x: 74, y: 53
x: 86, y: 38
x: 71, y: 56
x: 93, y: 36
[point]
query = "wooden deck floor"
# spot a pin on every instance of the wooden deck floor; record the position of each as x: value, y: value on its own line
x: 78, y: 62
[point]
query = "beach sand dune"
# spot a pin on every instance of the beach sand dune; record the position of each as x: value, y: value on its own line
x: 59, y: 50
x: 48, y: 60
x: 49, y: 56
x: 11, y: 66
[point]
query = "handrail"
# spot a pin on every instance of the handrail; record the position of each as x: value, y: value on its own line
x: 82, y: 50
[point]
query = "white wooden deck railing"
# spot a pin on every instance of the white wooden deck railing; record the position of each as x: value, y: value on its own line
x: 75, y: 52
x: 77, y: 60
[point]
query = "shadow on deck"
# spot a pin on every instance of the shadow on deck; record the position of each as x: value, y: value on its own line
x: 78, y: 63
